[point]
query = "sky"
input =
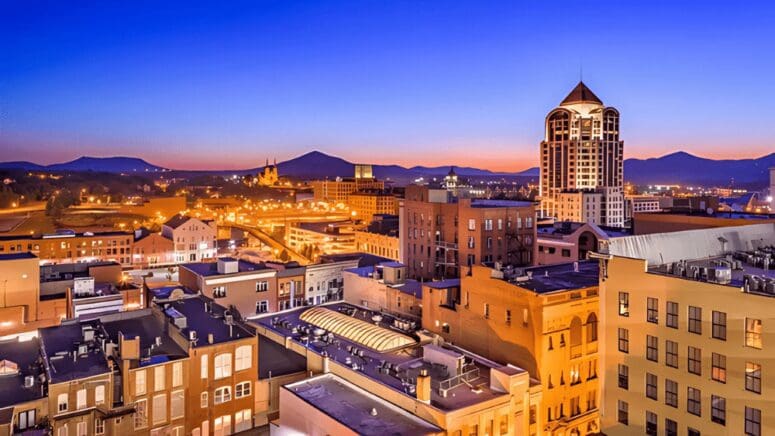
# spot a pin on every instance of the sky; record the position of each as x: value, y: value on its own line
x: 228, y: 84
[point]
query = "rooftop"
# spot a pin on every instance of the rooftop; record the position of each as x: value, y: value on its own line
x: 17, y: 256
x: 146, y: 326
x: 69, y: 354
x: 208, y: 269
x: 24, y: 355
x: 559, y: 277
x: 486, y: 203
x: 363, y: 412
x: 202, y: 315
x: 739, y: 269
x: 177, y: 221
x: 581, y: 94
x: 396, y: 368
x: 364, y: 259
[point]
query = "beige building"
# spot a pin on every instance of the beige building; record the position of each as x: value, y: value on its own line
x: 378, y: 244
x: 563, y: 242
x: 581, y: 151
x: 543, y: 319
x: 194, y: 239
x: 339, y: 190
x: 321, y: 237
x: 687, y: 337
x: 365, y: 204
x: 384, y: 287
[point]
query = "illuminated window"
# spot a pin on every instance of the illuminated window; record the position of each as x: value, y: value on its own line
x: 159, y: 409
x: 140, y: 382
x: 624, y: 304
x: 159, y: 382
x: 222, y: 366
x: 719, y: 367
x: 753, y: 333
x: 652, y: 310
x: 203, y: 364
x: 753, y: 377
x: 62, y: 402
x: 243, y: 358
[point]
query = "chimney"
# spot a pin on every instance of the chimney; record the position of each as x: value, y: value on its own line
x: 424, y: 386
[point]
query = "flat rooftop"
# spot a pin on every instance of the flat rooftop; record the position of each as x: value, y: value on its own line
x: 23, y: 354
x: 209, y: 269
x: 364, y: 259
x: 64, y: 362
x: 17, y: 256
x: 205, y: 317
x: 143, y: 324
x: 559, y: 277
x: 396, y: 369
x: 745, y: 270
x: 362, y: 412
x: 486, y: 203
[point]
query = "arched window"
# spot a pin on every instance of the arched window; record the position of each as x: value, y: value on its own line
x: 575, y: 331
x: 592, y: 328
x: 222, y: 366
x: 558, y: 126
x: 243, y: 359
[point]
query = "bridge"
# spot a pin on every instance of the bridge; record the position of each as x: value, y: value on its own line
x: 267, y: 240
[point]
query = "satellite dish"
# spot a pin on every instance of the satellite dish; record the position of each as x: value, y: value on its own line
x: 709, y: 211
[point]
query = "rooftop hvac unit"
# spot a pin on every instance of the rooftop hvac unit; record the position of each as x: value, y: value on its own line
x: 29, y: 381
x: 192, y: 335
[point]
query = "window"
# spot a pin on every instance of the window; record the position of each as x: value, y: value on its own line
x: 694, y: 401
x: 262, y: 306
x: 623, y: 412
x: 177, y: 374
x: 695, y: 320
x: 695, y: 360
x: 141, y: 414
x: 62, y: 403
x: 177, y: 404
x: 753, y: 333
x: 624, y: 304
x: 753, y: 421
x: 99, y: 426
x: 718, y: 409
x: 222, y: 425
x: 80, y: 429
x: 159, y: 409
x: 624, y: 340
x: 262, y: 286
x: 26, y: 419
x: 720, y: 325
x: 159, y: 382
x: 624, y: 376
x: 488, y: 224
x: 671, y: 427
x: 472, y: 224
x: 62, y: 430
x: 243, y: 420
x: 592, y: 328
x: 753, y: 377
x: 508, y: 317
x: 222, y: 395
x: 651, y: 386
x: 203, y: 364
x: 486, y: 310
x: 219, y: 291
x: 222, y: 366
x: 242, y: 389
x: 652, y: 348
x: 140, y: 382
x: 80, y: 399
x: 651, y: 423
x: 672, y: 315
x: 671, y: 354
x: 99, y: 395
x: 652, y: 310
x: 203, y: 401
x: 719, y: 367
x: 671, y: 393
x: 243, y: 358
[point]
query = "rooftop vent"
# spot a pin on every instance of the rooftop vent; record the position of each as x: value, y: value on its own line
x: 228, y: 265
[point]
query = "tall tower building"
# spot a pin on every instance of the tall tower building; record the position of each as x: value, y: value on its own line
x: 582, y: 160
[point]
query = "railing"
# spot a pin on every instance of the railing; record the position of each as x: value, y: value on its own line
x: 457, y: 380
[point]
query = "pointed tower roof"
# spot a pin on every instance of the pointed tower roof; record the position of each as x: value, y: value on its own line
x: 581, y: 94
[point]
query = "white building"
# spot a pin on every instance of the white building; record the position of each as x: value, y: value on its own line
x: 581, y: 151
x: 194, y: 239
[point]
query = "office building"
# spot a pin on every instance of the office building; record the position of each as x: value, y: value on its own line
x: 67, y: 246
x: 687, y: 340
x: 366, y: 204
x: 542, y: 319
x: 380, y: 238
x: 582, y: 152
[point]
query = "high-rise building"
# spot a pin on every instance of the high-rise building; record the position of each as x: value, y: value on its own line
x: 686, y: 338
x: 582, y: 153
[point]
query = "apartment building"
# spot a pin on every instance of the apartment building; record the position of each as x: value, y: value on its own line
x: 687, y: 337
x: 380, y: 237
x: 194, y: 239
x: 634, y: 204
x: 250, y: 287
x: 442, y: 233
x: 582, y: 153
x: 67, y: 246
x: 324, y: 281
x: 543, y: 319
x: 223, y: 368
x: 23, y: 401
x: 363, y: 358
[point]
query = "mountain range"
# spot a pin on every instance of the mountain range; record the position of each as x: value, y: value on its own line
x: 674, y: 168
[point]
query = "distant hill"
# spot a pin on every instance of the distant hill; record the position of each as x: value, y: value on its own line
x: 117, y: 164
x: 685, y: 168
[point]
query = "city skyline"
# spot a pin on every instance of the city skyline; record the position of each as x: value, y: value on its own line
x: 392, y: 84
